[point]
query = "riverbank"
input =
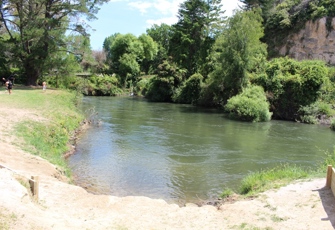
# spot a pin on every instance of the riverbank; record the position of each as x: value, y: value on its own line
x: 300, y: 205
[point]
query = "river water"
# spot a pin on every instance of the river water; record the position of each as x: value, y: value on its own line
x: 181, y: 153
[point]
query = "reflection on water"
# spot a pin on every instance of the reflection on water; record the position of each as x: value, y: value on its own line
x: 181, y: 153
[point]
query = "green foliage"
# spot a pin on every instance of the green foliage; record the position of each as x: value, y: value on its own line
x: 238, y: 51
x: 212, y: 95
x: 250, y: 105
x: 192, y: 38
x: 328, y: 87
x: 103, y: 85
x: 161, y: 88
x: 127, y: 54
x: 142, y: 86
x: 311, y: 114
x: 226, y: 193
x: 290, y: 84
x: 189, y: 92
x: 285, y: 17
x: 329, y: 160
x: 272, y: 178
x: 36, y: 31
x: 332, y: 125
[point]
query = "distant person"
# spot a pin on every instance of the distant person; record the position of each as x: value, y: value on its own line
x: 3, y: 81
x: 11, y: 78
x: 44, y: 85
x: 9, y: 84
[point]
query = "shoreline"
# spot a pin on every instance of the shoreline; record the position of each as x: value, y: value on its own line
x: 304, y: 205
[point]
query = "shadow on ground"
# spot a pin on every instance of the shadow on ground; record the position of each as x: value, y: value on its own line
x: 328, y: 202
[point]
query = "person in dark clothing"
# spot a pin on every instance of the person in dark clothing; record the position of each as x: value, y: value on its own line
x: 9, y: 86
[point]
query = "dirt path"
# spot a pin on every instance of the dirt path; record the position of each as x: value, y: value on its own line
x: 303, y: 205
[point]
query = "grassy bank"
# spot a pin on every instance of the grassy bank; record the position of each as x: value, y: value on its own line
x: 257, y: 182
x: 58, y: 118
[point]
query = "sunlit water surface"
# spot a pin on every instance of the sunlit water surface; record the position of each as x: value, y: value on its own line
x: 181, y: 153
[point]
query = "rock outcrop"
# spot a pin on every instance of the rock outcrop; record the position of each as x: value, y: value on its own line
x: 315, y: 41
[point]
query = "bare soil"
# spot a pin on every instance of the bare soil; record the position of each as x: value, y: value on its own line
x: 301, y: 205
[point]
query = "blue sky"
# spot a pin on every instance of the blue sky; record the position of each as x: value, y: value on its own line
x: 124, y: 16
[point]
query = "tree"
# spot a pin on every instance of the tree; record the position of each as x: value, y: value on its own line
x: 37, y: 29
x: 239, y: 51
x: 126, y: 53
x: 161, y: 34
x: 193, y: 32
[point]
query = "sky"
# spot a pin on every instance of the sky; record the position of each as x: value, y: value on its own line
x: 135, y: 17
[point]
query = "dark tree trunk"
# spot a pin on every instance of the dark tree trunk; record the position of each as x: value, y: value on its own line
x: 32, y: 74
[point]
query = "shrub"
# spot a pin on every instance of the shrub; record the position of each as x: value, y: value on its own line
x: 160, y: 89
x: 311, y: 114
x: 189, y: 92
x: 290, y: 84
x: 103, y: 85
x: 332, y: 125
x: 141, y: 87
x: 250, y: 105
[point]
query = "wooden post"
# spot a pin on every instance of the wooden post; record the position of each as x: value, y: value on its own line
x: 34, y: 184
x: 329, y: 176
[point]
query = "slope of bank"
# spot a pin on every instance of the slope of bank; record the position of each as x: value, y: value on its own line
x: 301, y: 205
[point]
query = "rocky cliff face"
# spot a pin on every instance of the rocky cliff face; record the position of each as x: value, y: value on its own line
x: 315, y: 41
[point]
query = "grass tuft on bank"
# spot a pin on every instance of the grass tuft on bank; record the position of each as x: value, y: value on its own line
x: 260, y: 181
x: 50, y: 135
x: 272, y: 178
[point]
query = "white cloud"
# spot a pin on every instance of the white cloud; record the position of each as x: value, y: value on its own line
x: 168, y: 9
x: 141, y: 6
x: 168, y: 21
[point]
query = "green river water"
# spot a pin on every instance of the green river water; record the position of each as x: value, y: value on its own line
x: 181, y: 153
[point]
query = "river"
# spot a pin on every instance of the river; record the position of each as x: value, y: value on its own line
x: 181, y: 153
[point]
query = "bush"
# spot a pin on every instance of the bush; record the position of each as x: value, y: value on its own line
x: 250, y: 105
x: 142, y: 85
x: 311, y: 114
x: 160, y: 89
x: 104, y: 85
x: 290, y: 84
x: 189, y: 92
x: 332, y: 125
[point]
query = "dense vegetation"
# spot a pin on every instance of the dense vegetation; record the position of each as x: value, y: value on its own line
x: 204, y: 59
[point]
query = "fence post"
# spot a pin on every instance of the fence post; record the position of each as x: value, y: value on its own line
x: 34, y: 184
x: 329, y: 176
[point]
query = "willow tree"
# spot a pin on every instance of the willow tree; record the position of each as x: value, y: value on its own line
x: 37, y: 28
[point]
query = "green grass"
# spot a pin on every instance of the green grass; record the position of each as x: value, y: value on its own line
x: 272, y: 178
x: 263, y: 180
x: 226, y: 193
x: 48, y: 137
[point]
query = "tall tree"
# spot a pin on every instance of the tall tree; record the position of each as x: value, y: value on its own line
x: 239, y: 51
x: 37, y: 29
x: 265, y: 5
x: 197, y: 21
x: 161, y: 34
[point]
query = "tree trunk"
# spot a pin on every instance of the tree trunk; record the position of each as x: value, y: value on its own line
x: 32, y: 74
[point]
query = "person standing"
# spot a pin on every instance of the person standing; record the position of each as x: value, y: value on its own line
x: 44, y: 84
x: 9, y: 84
